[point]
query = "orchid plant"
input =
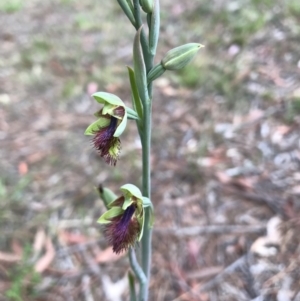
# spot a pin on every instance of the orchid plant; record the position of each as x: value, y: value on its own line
x: 129, y: 217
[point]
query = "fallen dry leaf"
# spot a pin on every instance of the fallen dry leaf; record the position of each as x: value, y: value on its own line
x: 36, y: 157
x: 223, y: 177
x: 16, y: 247
x: 23, y: 168
x: 72, y: 238
x: 46, y: 260
x: 108, y: 256
x: 9, y: 257
x: 39, y: 240
x: 205, y: 273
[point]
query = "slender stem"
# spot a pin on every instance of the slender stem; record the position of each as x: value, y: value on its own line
x: 139, y: 274
x: 146, y: 144
x: 146, y: 148
x: 132, y: 287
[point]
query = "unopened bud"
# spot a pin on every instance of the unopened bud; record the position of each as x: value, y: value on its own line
x: 179, y: 57
x: 147, y: 6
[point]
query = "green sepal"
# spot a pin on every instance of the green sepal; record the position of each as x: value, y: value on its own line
x: 136, y: 101
x: 127, y: 203
x: 130, y: 190
x: 155, y: 72
x: 132, y: 114
x: 154, y: 28
x: 106, y: 217
x: 104, y: 97
x: 179, y: 57
x: 98, y: 114
x: 116, y: 203
x: 95, y: 126
x: 106, y: 195
x: 128, y: 10
x: 140, y: 68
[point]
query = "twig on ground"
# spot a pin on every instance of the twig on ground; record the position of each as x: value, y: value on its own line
x: 76, y: 248
x: 231, y: 268
x: 213, y: 229
x: 204, y: 273
x: 276, y: 205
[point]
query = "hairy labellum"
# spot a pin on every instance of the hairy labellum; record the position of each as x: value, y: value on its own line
x: 105, y: 142
x: 123, y: 230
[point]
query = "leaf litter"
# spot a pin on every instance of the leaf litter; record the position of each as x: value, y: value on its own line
x: 225, y: 153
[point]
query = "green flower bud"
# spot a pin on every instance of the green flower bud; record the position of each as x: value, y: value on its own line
x: 179, y: 57
x: 147, y: 6
x: 154, y: 27
x: 140, y: 68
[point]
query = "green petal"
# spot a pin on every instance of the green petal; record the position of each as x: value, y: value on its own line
x: 131, y: 190
x: 127, y: 203
x: 121, y: 127
x: 151, y: 221
x: 104, y: 97
x: 141, y: 221
x: 108, y: 215
x: 108, y: 109
x: 97, y: 125
x: 147, y: 203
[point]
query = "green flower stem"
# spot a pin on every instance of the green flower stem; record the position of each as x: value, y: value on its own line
x: 140, y: 275
x: 146, y: 144
x: 145, y: 136
x: 132, y: 287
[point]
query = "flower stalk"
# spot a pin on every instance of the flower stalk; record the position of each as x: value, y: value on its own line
x: 129, y: 217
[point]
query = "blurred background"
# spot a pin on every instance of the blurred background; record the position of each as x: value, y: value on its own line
x: 225, y: 156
